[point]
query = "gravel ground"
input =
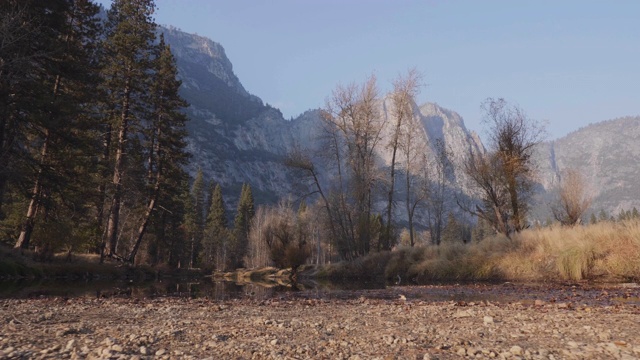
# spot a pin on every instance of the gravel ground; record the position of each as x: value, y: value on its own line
x: 364, y: 326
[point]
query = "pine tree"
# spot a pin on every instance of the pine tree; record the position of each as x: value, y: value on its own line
x: 27, y: 31
x: 166, y: 154
x: 129, y: 47
x: 216, y: 239
x: 603, y: 216
x: 242, y: 222
x: 58, y: 128
x: 593, y: 220
x: 453, y: 231
x: 195, y: 224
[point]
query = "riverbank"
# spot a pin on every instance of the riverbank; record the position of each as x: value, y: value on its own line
x: 17, y: 264
x: 398, y: 322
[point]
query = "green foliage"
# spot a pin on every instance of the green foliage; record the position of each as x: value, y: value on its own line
x: 453, y: 230
x: 216, y: 233
x: 242, y: 222
x: 91, y: 129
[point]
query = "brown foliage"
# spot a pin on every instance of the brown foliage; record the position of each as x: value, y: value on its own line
x: 504, y: 176
x: 573, y: 199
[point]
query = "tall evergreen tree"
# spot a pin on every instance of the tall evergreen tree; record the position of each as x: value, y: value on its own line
x: 194, y: 223
x: 27, y: 32
x: 129, y: 47
x: 453, y: 231
x: 60, y: 112
x: 242, y: 222
x: 216, y: 236
x: 166, y: 154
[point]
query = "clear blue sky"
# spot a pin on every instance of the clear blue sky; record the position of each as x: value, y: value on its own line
x: 567, y: 62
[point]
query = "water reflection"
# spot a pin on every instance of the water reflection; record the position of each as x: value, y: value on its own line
x: 207, y: 288
x: 185, y: 288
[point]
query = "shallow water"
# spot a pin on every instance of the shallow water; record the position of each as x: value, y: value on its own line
x: 578, y: 295
x: 187, y: 288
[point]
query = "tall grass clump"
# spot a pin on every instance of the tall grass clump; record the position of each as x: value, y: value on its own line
x: 602, y: 251
x: 605, y: 251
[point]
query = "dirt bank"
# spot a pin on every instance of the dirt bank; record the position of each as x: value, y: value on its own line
x: 368, y: 324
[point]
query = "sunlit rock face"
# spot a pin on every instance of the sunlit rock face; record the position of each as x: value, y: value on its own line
x: 234, y: 137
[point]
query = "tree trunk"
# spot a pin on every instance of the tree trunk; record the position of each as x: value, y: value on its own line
x: 114, y: 213
x: 145, y: 220
x: 27, y: 226
x: 102, y: 189
x: 387, y: 230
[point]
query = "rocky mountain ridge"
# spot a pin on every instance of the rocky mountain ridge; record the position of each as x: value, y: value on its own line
x: 234, y: 137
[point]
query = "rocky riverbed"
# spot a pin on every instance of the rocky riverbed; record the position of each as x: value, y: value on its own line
x: 395, y: 323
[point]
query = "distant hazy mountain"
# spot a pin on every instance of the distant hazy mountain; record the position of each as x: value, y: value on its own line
x: 607, y: 154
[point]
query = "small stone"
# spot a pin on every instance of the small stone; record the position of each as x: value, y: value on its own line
x: 274, y: 342
x: 488, y: 320
x: 461, y: 352
x: 572, y: 344
x: 143, y: 350
x: 70, y: 344
x: 161, y: 352
x: 612, y: 348
x: 117, y: 348
x: 516, y: 350
x: 538, y: 303
x: 426, y: 357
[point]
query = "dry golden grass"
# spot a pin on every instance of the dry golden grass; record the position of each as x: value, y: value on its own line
x: 605, y: 251
x: 602, y: 251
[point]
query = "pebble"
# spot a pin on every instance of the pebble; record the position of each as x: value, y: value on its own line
x: 516, y: 350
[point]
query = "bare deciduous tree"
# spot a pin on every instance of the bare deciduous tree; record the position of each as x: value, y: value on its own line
x: 258, y: 254
x: 405, y: 89
x: 286, y: 235
x: 504, y: 176
x: 353, y: 124
x: 573, y: 199
x: 438, y: 206
x: 414, y: 164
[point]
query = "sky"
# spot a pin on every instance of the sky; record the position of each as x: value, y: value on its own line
x: 566, y: 63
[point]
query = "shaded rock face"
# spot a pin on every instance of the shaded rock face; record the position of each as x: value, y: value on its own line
x: 606, y: 153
